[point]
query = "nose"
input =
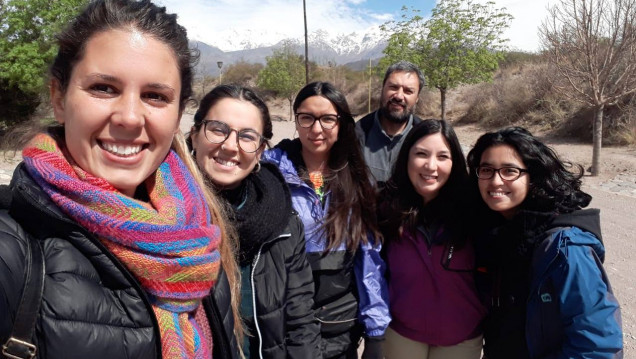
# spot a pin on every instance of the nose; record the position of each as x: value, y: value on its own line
x: 316, y: 127
x: 399, y: 94
x: 130, y: 111
x: 231, y: 142
x: 496, y: 179
x: 431, y: 163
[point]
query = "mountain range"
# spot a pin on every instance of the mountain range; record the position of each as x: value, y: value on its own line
x: 353, y: 50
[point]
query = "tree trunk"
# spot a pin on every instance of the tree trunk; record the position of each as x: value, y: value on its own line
x: 597, y: 140
x: 442, y: 94
x: 291, y: 111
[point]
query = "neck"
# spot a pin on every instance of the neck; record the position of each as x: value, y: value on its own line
x: 391, y: 128
x: 314, y: 162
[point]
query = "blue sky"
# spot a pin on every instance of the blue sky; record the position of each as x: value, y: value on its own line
x: 219, y: 22
x: 392, y: 6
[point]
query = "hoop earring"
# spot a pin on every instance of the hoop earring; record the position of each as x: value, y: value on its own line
x: 193, y: 153
x: 257, y: 168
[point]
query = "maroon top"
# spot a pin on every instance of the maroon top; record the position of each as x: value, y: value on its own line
x: 429, y: 303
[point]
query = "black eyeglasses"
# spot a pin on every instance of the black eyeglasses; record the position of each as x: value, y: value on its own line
x: 247, y: 139
x: 507, y: 173
x: 307, y: 120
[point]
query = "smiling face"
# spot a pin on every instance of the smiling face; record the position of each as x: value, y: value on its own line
x: 121, y: 108
x: 317, y: 141
x: 502, y: 196
x: 225, y: 163
x: 399, y: 96
x: 429, y: 166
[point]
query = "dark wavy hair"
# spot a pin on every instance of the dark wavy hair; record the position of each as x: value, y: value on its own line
x: 553, y: 187
x: 103, y: 15
x: 351, y: 214
x: 235, y: 92
x: 402, y: 207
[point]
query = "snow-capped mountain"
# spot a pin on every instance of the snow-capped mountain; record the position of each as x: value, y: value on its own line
x: 324, y: 48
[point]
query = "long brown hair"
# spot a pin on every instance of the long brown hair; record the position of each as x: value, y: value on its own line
x: 102, y: 15
x: 351, y: 216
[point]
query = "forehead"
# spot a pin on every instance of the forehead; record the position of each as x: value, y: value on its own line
x: 501, y: 155
x: 432, y: 141
x: 401, y: 78
x: 129, y: 54
x: 317, y: 105
x: 236, y: 113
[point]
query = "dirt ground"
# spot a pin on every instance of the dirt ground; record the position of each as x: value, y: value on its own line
x: 617, y: 208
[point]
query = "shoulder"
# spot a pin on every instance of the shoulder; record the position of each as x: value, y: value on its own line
x: 293, y: 233
x: 364, y: 124
x: 12, y: 235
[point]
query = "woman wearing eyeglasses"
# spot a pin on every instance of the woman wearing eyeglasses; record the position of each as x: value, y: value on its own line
x: 333, y: 194
x: 435, y: 309
x: 231, y: 129
x: 539, y: 254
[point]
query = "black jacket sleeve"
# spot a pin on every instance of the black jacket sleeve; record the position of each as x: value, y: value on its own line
x: 12, y: 259
x: 303, y: 330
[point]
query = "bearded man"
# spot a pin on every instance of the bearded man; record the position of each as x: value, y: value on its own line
x: 382, y: 132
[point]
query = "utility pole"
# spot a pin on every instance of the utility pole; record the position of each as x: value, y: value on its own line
x: 369, y: 106
x: 220, y: 65
x: 306, y: 45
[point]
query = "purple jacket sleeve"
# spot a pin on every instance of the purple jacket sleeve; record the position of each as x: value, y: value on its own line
x: 373, y: 292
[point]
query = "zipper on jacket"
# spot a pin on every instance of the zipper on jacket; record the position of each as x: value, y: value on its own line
x: 254, y: 263
x: 258, y: 329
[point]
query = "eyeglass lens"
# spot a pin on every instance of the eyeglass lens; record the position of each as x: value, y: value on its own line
x: 217, y: 132
x: 506, y: 173
x: 307, y: 120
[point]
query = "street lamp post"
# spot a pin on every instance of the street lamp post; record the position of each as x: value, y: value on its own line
x: 220, y: 65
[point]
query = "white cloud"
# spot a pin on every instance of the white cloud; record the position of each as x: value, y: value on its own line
x: 214, y: 21
x: 524, y: 28
x: 268, y: 21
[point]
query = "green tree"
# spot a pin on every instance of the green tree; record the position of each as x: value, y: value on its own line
x: 402, y: 41
x: 461, y: 43
x: 242, y: 73
x: 284, y: 73
x: 592, y: 45
x: 27, y: 46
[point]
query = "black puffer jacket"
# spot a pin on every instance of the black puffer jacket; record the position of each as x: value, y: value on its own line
x: 92, y: 306
x: 272, y: 244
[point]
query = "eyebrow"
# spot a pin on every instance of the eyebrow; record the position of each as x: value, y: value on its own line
x: 110, y: 78
x: 502, y: 165
x: 427, y: 150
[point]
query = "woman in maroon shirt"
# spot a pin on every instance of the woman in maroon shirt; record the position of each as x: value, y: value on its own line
x: 433, y: 300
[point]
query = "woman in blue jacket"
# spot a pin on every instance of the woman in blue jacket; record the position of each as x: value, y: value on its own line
x: 333, y: 194
x: 539, y: 254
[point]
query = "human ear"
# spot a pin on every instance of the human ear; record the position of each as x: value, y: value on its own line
x: 57, y: 100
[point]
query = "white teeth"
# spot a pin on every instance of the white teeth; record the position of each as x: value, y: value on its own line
x: 226, y: 163
x: 497, y: 194
x: 121, y: 150
x: 429, y: 177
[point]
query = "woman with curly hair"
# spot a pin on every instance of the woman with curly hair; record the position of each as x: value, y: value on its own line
x: 539, y: 254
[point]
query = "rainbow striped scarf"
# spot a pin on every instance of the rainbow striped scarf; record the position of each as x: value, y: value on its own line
x: 168, y: 244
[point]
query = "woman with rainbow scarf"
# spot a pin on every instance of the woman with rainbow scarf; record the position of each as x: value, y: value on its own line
x: 132, y: 243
